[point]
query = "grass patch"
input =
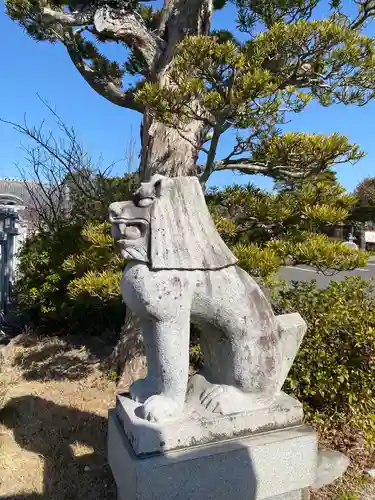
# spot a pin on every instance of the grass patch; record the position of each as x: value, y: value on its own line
x: 356, y: 484
x: 53, y: 421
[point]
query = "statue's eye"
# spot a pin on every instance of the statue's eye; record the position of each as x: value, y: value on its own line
x: 133, y: 232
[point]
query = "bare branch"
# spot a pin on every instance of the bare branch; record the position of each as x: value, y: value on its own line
x: 46, y: 197
x: 55, y: 165
x: 130, y: 153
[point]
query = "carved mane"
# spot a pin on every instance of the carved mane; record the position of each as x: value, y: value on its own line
x: 183, y: 235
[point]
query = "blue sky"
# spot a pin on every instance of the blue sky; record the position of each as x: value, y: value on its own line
x: 30, y: 68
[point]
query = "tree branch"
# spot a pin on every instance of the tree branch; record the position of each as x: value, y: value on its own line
x: 191, y: 13
x: 96, y: 81
x: 51, y: 16
x: 167, y: 11
x: 180, y: 19
x: 247, y: 167
x: 362, y: 17
x: 129, y: 27
x: 114, y: 24
x: 211, y: 155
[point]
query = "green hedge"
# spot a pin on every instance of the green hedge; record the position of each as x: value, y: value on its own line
x: 334, y: 371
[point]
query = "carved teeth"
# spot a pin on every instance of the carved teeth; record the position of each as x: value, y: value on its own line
x: 133, y: 233
x: 122, y: 228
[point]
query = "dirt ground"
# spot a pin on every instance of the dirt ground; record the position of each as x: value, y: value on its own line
x: 54, y: 401
x: 53, y: 420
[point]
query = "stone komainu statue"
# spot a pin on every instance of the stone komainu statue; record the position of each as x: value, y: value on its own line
x: 178, y: 271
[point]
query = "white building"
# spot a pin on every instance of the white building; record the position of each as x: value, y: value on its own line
x: 17, y: 219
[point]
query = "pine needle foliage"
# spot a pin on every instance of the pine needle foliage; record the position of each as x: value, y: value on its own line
x: 276, y: 59
x: 268, y: 229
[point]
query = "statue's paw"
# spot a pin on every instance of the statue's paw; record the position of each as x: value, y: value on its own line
x: 158, y: 408
x: 226, y: 399
x: 219, y: 399
x: 142, y: 389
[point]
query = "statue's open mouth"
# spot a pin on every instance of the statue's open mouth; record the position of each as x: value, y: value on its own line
x: 126, y: 232
x: 130, y: 229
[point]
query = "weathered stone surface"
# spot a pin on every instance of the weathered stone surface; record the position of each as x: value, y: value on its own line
x: 293, y: 495
x: 183, y: 234
x: 197, y: 426
x: 303, y: 494
x: 331, y: 466
x: 272, y: 466
x: 292, y: 329
x: 189, y: 274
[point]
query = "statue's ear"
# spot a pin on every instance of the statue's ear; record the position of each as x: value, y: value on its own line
x: 159, y: 184
x: 183, y: 235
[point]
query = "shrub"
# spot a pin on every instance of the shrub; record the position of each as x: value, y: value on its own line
x: 334, y: 371
x: 318, y: 250
x: 69, y: 272
x: 70, y: 280
x: 261, y: 263
x: 41, y: 286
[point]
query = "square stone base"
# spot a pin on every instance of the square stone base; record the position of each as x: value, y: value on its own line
x: 293, y: 495
x: 275, y: 465
x: 197, y: 426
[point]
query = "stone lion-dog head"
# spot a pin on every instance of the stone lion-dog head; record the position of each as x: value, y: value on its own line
x: 168, y: 225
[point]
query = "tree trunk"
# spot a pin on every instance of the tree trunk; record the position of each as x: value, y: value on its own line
x: 174, y: 151
x: 128, y: 359
x: 169, y: 151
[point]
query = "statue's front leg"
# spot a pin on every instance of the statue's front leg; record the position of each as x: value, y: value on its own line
x: 144, y: 388
x: 172, y: 364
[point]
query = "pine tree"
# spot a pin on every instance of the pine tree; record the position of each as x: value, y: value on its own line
x: 193, y: 83
x: 265, y: 230
x: 364, y: 211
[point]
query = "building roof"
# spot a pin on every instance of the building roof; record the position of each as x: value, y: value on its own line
x: 19, y: 189
x: 17, y: 192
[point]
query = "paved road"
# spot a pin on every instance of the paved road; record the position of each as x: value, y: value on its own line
x: 305, y: 273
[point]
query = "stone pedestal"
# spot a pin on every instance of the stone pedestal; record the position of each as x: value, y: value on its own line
x: 266, y: 454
